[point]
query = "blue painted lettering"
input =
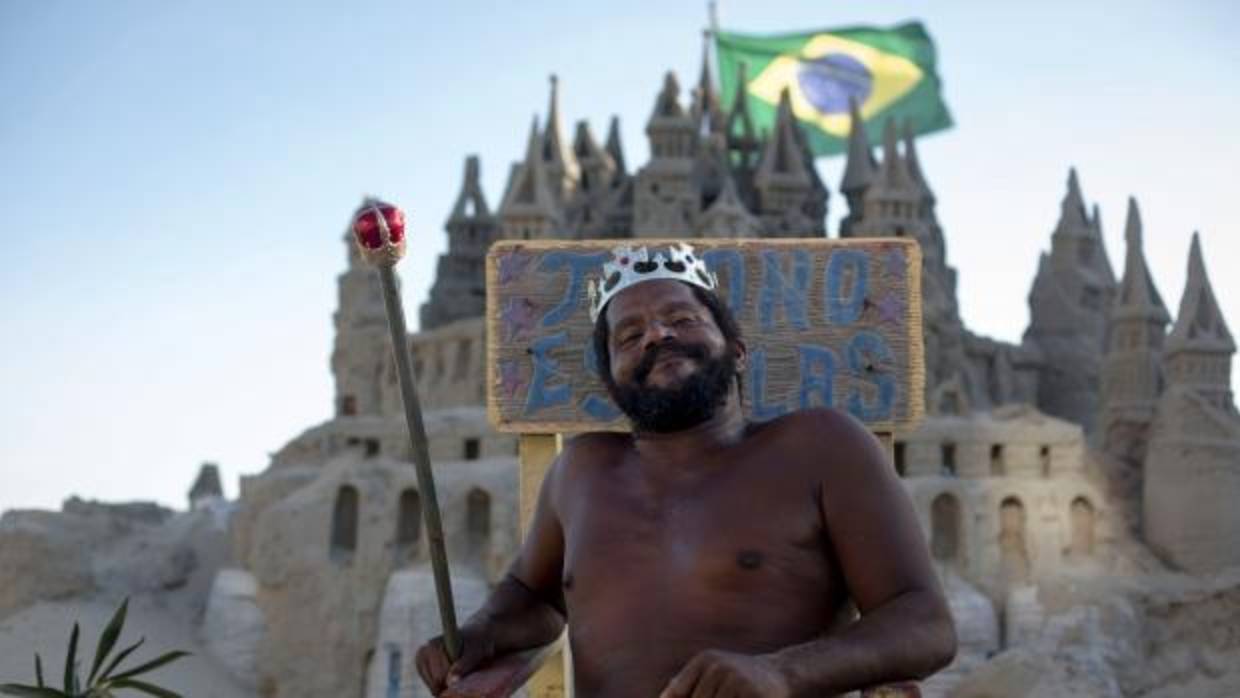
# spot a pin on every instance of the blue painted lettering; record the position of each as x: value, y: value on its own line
x: 543, y: 394
x: 817, y: 375
x: 594, y: 405
x: 732, y: 265
x: 869, y: 359
x: 775, y: 288
x: 579, y: 264
x: 757, y: 377
x: 844, y: 306
x: 600, y: 408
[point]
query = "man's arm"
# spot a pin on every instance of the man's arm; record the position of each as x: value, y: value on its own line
x: 525, y: 610
x: 905, y: 631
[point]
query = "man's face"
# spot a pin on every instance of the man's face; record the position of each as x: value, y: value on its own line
x: 671, y: 366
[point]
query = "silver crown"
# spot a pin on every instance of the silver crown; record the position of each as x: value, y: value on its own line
x: 629, y: 266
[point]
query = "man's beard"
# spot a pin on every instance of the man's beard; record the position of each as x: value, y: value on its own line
x: 694, y: 401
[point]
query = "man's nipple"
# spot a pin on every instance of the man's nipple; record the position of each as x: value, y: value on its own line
x: 749, y: 559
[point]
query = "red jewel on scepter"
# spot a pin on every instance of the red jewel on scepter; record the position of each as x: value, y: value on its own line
x: 379, y: 228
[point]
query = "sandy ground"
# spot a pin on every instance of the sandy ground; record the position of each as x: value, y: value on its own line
x: 45, y: 628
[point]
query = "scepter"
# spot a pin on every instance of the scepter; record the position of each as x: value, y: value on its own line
x: 379, y: 229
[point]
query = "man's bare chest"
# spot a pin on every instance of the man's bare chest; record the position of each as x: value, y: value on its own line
x: 729, y: 535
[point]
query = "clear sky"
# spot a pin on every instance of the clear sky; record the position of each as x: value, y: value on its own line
x: 175, y: 178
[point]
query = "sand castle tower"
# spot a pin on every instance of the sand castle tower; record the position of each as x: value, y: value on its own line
x: 1132, y: 370
x: 460, y: 279
x: 1192, y: 474
x: 1069, y: 306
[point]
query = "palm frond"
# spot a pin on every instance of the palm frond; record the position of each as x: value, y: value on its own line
x: 108, y: 640
x: 17, y: 689
x: 71, y: 659
x: 120, y: 658
x: 153, y: 664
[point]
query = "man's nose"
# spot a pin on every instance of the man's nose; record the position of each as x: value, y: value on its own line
x: 657, y: 333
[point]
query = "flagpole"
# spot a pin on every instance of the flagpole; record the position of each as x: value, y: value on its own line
x: 712, y: 30
x: 712, y: 36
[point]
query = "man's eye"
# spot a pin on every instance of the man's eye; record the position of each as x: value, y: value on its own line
x: 684, y: 321
x: 628, y: 338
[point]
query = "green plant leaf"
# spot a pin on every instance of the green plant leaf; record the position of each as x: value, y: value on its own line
x: 153, y: 664
x: 38, y: 669
x: 71, y: 659
x: 16, y: 689
x: 120, y: 658
x: 108, y: 640
x: 149, y: 689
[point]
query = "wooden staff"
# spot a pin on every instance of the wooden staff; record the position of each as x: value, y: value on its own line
x: 379, y: 229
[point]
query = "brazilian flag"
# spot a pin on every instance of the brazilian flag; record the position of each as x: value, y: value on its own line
x: 889, y: 72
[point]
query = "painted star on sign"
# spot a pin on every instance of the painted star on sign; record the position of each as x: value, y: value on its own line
x: 895, y: 264
x: 891, y: 309
x: 518, y: 317
x: 512, y: 265
x: 510, y: 380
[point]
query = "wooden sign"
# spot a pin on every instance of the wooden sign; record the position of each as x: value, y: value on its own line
x: 827, y: 322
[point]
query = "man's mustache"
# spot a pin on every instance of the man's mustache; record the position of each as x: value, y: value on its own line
x: 690, y: 351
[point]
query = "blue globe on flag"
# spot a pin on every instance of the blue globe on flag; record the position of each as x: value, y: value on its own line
x: 889, y: 73
x: 829, y: 81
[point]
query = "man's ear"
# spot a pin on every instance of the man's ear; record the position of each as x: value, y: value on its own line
x: 742, y: 356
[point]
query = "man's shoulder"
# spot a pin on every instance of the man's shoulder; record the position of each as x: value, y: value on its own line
x: 598, y: 439
x: 822, y: 425
x: 829, y: 443
x: 594, y: 448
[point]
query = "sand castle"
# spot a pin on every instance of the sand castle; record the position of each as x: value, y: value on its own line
x: 1077, y: 490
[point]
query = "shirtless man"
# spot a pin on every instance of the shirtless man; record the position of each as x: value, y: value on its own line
x: 704, y: 555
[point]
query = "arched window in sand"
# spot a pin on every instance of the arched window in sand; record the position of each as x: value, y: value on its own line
x: 1082, y: 524
x: 998, y: 468
x: 478, y: 518
x: 948, y: 453
x: 461, y: 367
x: 438, y: 363
x: 344, y: 521
x: 348, y: 405
x: 901, y: 458
x: 945, y: 528
x: 1014, y: 556
x: 409, y: 521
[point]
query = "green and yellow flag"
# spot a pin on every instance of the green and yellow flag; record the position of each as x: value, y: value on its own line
x: 889, y: 72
